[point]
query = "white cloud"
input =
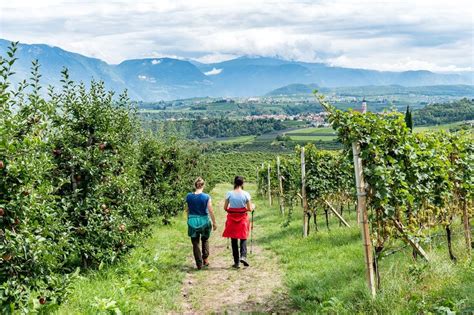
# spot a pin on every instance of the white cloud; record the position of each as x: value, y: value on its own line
x: 216, y: 57
x: 395, y: 35
x: 214, y: 71
x: 155, y: 62
x: 142, y: 77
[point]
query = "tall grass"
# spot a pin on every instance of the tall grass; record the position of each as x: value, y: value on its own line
x: 147, y: 281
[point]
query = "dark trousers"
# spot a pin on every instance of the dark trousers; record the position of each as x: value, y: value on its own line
x: 197, y: 250
x: 235, y: 249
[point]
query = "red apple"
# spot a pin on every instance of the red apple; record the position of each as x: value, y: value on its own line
x: 42, y: 300
x: 2, y: 212
x: 102, y: 146
x: 2, y: 164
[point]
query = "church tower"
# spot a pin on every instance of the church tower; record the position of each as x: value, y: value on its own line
x: 364, y: 106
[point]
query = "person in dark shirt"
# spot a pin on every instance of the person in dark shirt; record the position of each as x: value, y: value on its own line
x: 199, y: 208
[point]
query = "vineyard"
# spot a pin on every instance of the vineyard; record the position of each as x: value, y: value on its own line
x: 79, y: 183
x: 225, y: 166
x: 407, y: 187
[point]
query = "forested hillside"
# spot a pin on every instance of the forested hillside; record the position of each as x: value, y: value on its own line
x: 435, y: 114
x: 201, y: 128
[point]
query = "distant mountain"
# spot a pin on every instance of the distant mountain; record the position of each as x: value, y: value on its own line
x: 293, y: 89
x: 371, y: 90
x: 166, y: 78
x: 54, y: 59
x: 162, y: 78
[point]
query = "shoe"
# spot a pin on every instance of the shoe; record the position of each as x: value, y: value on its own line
x: 244, y: 261
x: 199, y: 267
x: 235, y: 266
x: 206, y: 263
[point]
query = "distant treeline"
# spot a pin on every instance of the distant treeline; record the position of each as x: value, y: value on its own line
x: 214, y: 127
x: 443, y: 113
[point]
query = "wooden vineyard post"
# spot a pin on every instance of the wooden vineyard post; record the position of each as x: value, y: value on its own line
x: 269, y: 186
x: 280, y: 184
x: 363, y: 216
x: 303, y: 195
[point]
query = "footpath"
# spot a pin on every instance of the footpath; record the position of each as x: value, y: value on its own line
x: 222, y: 289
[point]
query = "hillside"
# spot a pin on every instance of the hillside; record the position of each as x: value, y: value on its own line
x: 435, y: 114
x: 371, y: 90
x: 167, y: 78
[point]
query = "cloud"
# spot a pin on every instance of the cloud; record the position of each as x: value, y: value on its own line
x: 214, y: 71
x: 155, y: 62
x: 142, y: 77
x: 380, y: 34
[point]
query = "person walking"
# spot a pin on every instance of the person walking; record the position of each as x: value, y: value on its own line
x: 237, y: 204
x: 199, y: 208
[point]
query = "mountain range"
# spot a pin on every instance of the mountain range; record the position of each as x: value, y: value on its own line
x: 153, y: 79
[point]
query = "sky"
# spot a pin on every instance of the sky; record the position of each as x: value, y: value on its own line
x: 384, y: 35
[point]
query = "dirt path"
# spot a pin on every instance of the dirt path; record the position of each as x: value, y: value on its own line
x: 222, y: 289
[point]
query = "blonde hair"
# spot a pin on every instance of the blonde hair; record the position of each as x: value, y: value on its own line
x: 199, y: 183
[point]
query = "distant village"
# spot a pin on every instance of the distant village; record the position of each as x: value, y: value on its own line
x: 316, y: 119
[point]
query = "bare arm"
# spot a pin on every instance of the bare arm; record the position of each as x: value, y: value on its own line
x: 226, y: 204
x: 211, y: 213
x: 249, y: 206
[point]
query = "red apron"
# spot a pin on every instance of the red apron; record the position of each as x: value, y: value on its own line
x: 237, y: 224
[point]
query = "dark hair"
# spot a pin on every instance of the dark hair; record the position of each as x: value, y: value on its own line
x: 238, y: 181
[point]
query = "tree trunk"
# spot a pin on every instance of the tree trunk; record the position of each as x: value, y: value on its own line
x: 450, y: 247
x: 327, y: 218
x: 378, y: 251
x: 315, y: 221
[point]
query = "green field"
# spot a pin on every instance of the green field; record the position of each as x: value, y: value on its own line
x: 310, y: 138
x: 439, y: 127
x: 312, y: 134
x: 229, y: 140
x: 312, y: 130
x: 324, y: 138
